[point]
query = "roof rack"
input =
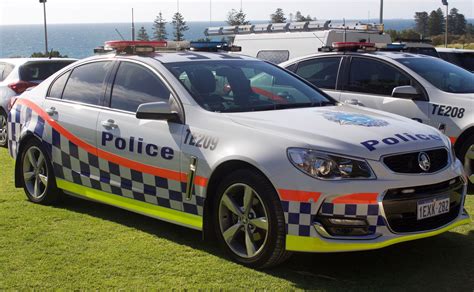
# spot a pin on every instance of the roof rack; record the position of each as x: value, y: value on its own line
x: 292, y: 27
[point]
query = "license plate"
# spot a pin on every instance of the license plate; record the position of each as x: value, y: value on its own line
x: 432, y: 207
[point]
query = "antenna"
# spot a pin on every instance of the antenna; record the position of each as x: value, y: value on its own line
x: 121, y: 36
x: 133, y: 27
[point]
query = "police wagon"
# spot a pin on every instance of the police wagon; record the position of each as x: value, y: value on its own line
x: 241, y: 149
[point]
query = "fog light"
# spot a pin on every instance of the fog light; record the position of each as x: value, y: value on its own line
x: 351, y: 222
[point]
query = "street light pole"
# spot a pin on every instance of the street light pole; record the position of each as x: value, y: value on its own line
x: 45, y: 27
x: 445, y: 2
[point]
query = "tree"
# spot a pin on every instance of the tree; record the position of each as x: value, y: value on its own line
x: 436, y: 22
x: 235, y: 17
x: 278, y: 16
x: 159, y: 28
x: 179, y: 26
x: 457, y: 22
x: 52, y: 54
x: 142, y: 34
x: 299, y: 17
x: 421, y: 20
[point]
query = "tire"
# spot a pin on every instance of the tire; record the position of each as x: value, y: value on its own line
x: 466, y: 160
x: 3, y: 129
x: 38, y: 181
x: 248, y: 242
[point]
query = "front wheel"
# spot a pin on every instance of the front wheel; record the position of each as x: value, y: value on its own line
x: 37, y: 174
x: 466, y: 155
x: 249, y: 221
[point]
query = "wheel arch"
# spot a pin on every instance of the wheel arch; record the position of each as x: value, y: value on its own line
x: 217, y: 175
x: 469, y: 132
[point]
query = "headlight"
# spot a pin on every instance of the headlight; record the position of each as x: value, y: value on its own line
x: 329, y: 166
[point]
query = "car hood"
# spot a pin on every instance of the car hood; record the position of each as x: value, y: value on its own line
x: 344, y: 129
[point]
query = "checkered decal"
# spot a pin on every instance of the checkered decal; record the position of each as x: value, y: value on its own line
x: 76, y: 165
x: 299, y: 216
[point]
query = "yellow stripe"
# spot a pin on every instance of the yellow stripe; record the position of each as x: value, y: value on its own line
x: 315, y: 244
x: 166, y: 214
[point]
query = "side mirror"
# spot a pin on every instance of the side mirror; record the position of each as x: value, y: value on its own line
x: 408, y: 92
x: 157, y: 111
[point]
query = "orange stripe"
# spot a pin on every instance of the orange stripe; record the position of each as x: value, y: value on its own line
x: 169, y: 174
x: 300, y: 196
x: 453, y: 140
x: 361, y: 198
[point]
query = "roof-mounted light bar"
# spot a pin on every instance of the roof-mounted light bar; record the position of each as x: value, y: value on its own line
x: 213, y: 47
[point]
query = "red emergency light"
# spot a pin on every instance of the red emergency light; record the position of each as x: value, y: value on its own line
x: 352, y: 46
x: 135, y: 46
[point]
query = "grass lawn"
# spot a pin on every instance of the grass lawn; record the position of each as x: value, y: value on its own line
x: 81, y: 244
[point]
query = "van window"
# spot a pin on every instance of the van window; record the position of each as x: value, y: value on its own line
x: 86, y: 83
x: 321, y: 72
x: 374, y: 77
x: 135, y: 85
x: 274, y: 56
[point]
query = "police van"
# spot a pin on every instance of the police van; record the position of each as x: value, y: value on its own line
x: 426, y: 89
x: 278, y: 42
x: 236, y: 147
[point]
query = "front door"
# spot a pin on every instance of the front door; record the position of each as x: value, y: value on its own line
x: 142, y: 157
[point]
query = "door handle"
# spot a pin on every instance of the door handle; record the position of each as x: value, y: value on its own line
x: 52, y: 111
x: 110, y: 124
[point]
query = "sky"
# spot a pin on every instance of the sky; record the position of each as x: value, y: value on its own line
x: 107, y: 11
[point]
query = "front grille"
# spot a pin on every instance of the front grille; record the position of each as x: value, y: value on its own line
x: 400, y: 206
x: 408, y: 162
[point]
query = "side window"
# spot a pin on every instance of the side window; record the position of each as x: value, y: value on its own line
x: 321, y: 72
x: 370, y: 76
x: 135, y: 85
x: 274, y: 56
x: 57, y: 88
x: 86, y: 83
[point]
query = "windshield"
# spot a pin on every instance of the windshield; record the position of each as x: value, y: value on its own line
x: 441, y: 74
x: 240, y: 86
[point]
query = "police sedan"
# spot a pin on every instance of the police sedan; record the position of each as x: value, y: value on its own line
x: 236, y: 147
x: 426, y: 89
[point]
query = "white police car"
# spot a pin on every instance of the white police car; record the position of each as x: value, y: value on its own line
x: 236, y: 147
x: 423, y: 88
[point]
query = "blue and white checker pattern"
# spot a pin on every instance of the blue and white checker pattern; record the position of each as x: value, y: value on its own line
x: 299, y: 216
x: 76, y: 165
x: 370, y: 212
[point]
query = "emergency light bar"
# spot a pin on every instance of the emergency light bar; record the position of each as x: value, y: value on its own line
x: 146, y: 47
x: 213, y: 47
x: 352, y: 46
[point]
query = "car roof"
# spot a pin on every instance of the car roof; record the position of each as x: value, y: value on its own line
x: 453, y: 50
x: 379, y: 54
x: 21, y: 61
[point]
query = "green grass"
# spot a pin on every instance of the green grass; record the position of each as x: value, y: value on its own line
x: 81, y: 244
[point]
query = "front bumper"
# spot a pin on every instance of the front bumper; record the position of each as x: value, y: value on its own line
x: 390, y: 212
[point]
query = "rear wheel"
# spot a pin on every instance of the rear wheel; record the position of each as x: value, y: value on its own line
x: 3, y: 129
x: 249, y: 221
x: 37, y: 174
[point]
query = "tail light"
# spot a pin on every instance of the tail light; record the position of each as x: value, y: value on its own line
x: 11, y: 103
x: 20, y: 86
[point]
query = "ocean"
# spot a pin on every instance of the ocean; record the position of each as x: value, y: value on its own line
x: 79, y: 40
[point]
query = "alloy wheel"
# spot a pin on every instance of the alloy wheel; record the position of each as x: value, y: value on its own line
x: 3, y: 130
x: 243, y: 220
x: 35, y: 172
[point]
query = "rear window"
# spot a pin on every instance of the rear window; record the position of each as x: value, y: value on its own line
x: 39, y: 71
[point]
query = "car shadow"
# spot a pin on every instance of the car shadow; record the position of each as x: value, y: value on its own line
x: 444, y: 262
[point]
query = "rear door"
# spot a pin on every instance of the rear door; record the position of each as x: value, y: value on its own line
x: 370, y: 82
x: 145, y: 160
x: 73, y: 101
x: 322, y: 72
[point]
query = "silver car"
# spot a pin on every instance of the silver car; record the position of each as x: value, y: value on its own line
x: 19, y: 74
x: 238, y: 148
